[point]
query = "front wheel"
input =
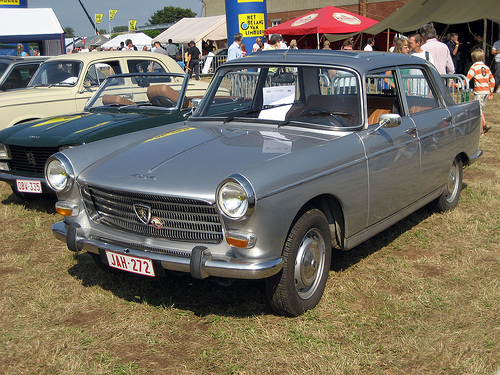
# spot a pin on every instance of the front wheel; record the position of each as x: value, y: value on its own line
x: 307, y: 254
x: 451, y: 193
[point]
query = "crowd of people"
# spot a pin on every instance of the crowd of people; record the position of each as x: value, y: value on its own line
x: 449, y: 56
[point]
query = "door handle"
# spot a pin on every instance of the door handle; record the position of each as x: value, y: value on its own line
x: 411, y: 131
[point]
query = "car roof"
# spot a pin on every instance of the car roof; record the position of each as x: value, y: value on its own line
x: 91, y: 56
x: 10, y: 59
x: 358, y: 60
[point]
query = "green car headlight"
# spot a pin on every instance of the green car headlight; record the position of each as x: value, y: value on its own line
x: 58, y: 173
x: 235, y: 197
x: 4, y: 152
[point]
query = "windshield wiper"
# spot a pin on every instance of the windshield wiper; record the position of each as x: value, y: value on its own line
x: 267, y: 106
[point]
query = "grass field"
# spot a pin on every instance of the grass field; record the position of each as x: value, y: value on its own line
x: 423, y: 297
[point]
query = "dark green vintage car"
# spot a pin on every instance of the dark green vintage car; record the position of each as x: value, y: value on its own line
x: 124, y: 103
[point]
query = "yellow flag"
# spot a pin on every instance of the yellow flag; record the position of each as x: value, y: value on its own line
x: 98, y: 17
x: 131, y: 24
x: 112, y: 13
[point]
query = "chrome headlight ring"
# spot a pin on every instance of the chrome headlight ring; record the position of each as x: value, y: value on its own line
x: 59, y: 173
x: 235, y: 197
x: 4, y: 152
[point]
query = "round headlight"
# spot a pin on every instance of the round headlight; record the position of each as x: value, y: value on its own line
x: 233, y: 200
x: 236, y: 197
x: 57, y: 176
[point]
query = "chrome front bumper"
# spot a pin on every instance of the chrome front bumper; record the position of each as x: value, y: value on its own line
x: 200, y: 263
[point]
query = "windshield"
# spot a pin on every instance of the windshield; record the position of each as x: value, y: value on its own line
x: 141, y: 90
x: 323, y: 96
x: 63, y: 73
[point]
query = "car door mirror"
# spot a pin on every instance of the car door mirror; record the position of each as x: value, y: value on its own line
x: 194, y: 104
x: 389, y: 120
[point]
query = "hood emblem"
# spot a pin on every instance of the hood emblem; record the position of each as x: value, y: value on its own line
x: 31, y: 159
x: 143, y: 212
x: 143, y: 176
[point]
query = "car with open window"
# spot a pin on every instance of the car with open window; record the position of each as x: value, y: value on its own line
x: 124, y: 103
x: 289, y: 157
x: 16, y: 71
x: 63, y: 84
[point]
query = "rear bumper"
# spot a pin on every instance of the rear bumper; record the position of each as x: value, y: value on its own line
x: 199, y: 263
x: 476, y: 156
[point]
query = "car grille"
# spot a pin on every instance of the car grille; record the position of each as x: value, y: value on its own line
x: 30, y: 159
x: 185, y: 220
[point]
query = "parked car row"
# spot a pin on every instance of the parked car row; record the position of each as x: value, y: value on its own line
x: 288, y: 156
x: 64, y: 84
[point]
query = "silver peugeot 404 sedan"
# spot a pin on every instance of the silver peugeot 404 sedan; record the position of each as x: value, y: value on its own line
x: 290, y: 156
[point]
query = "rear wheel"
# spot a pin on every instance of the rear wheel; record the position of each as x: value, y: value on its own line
x: 451, y: 193
x: 307, y: 255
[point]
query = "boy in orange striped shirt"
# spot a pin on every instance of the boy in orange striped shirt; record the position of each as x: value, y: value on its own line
x: 484, y: 83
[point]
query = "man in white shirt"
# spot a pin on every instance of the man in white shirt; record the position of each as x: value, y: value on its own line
x: 369, y: 44
x: 416, y: 41
x: 234, y: 50
x: 438, y: 50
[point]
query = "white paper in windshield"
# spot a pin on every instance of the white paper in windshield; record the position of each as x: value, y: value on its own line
x: 275, y: 96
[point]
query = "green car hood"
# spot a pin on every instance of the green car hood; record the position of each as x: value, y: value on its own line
x: 85, y: 127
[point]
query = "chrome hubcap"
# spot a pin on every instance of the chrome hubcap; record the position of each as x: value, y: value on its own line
x: 310, y: 263
x: 452, y: 184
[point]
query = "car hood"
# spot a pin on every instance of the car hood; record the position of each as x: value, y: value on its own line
x: 78, y: 128
x: 35, y: 94
x: 191, y: 161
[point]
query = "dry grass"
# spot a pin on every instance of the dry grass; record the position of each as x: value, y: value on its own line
x: 420, y: 298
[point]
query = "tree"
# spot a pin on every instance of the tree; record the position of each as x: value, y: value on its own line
x: 102, y: 31
x: 170, y: 14
x: 120, y: 29
x: 68, y: 32
x: 152, y: 33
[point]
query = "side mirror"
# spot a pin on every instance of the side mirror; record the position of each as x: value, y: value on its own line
x: 389, y: 120
x: 194, y: 104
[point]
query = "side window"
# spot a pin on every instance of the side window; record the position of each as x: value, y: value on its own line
x: 21, y: 75
x: 419, y: 94
x: 143, y: 66
x: 98, y: 72
x: 382, y: 96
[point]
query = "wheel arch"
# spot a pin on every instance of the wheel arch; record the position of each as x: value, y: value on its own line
x: 334, y: 213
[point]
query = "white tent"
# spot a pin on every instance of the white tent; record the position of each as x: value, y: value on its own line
x: 197, y: 29
x: 32, y: 25
x: 138, y: 39
x: 26, y: 25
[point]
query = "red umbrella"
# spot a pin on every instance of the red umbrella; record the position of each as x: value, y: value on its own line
x: 327, y: 20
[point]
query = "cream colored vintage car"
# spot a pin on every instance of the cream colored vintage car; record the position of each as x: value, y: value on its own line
x: 64, y: 83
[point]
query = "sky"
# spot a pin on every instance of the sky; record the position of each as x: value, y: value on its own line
x: 70, y: 12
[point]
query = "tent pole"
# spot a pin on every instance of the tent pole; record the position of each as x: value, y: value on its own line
x: 317, y: 39
x: 388, y: 37
x: 485, y: 32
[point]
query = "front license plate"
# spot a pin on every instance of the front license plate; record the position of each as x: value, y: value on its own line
x: 130, y: 263
x: 29, y: 186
